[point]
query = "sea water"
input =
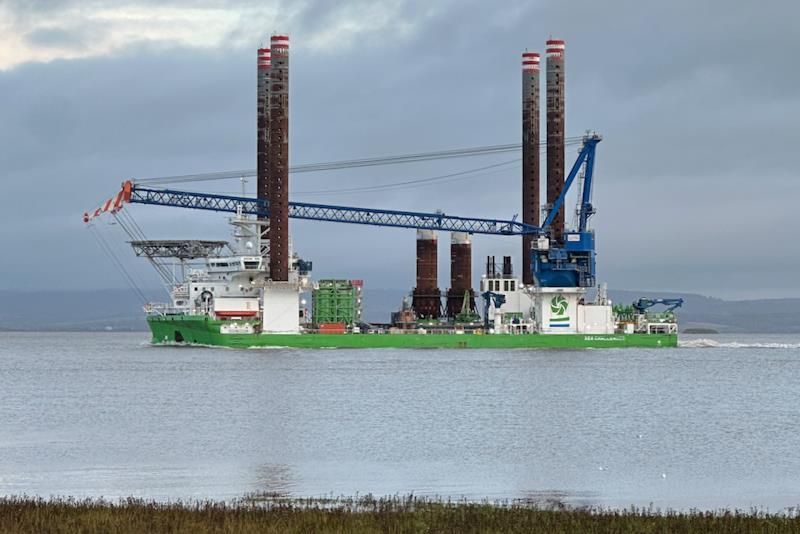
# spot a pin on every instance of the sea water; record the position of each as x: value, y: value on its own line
x: 714, y: 423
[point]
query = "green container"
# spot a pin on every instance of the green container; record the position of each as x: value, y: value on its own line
x: 335, y: 301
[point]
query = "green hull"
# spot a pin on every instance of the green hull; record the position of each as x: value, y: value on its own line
x: 198, y: 329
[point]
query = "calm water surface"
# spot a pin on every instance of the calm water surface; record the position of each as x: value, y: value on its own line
x: 698, y: 426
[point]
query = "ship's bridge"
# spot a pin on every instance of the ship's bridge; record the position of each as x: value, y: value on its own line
x: 235, y: 263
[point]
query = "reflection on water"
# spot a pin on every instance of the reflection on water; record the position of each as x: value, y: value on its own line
x: 559, y: 499
x: 708, y: 425
x: 275, y: 479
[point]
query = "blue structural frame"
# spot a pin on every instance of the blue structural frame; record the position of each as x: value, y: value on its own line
x: 643, y: 304
x: 569, y: 260
x: 324, y: 212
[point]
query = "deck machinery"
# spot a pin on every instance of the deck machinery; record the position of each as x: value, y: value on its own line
x: 250, y: 296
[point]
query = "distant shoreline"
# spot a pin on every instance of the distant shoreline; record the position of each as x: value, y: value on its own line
x: 709, y: 331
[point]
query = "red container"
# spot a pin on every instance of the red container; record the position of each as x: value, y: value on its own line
x: 332, y: 328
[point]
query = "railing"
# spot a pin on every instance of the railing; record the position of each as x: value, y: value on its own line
x: 163, y: 308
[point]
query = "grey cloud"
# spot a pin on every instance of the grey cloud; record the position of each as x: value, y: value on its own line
x: 58, y: 37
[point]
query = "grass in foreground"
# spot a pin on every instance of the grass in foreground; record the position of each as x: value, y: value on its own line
x: 366, y: 514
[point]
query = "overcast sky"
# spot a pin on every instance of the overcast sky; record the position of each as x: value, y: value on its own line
x: 696, y: 181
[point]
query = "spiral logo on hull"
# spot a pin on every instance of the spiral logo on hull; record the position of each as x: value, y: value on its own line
x: 558, y: 308
x: 558, y: 305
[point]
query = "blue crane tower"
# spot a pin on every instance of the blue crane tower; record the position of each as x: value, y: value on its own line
x: 569, y: 262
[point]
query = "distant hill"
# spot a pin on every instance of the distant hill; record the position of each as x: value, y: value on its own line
x: 107, y: 309
x: 121, y: 310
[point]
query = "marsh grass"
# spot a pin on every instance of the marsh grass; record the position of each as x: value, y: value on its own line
x: 360, y: 514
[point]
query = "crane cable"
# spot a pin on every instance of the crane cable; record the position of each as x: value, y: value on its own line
x: 106, y: 248
x: 135, y: 233
x: 408, y: 184
x: 411, y: 184
x: 355, y: 163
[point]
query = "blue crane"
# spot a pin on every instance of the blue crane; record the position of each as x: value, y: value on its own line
x: 135, y: 194
x: 643, y: 304
x: 556, y: 261
x: 569, y: 260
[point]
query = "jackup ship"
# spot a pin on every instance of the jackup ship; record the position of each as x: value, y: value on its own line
x: 253, y: 291
x: 228, y: 299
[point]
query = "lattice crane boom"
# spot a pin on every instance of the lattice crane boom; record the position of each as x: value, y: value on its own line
x: 135, y: 194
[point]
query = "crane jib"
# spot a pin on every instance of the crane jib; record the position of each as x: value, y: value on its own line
x: 328, y: 213
x: 132, y: 193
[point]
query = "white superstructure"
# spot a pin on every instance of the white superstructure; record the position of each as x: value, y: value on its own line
x: 545, y: 310
x: 238, y: 287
